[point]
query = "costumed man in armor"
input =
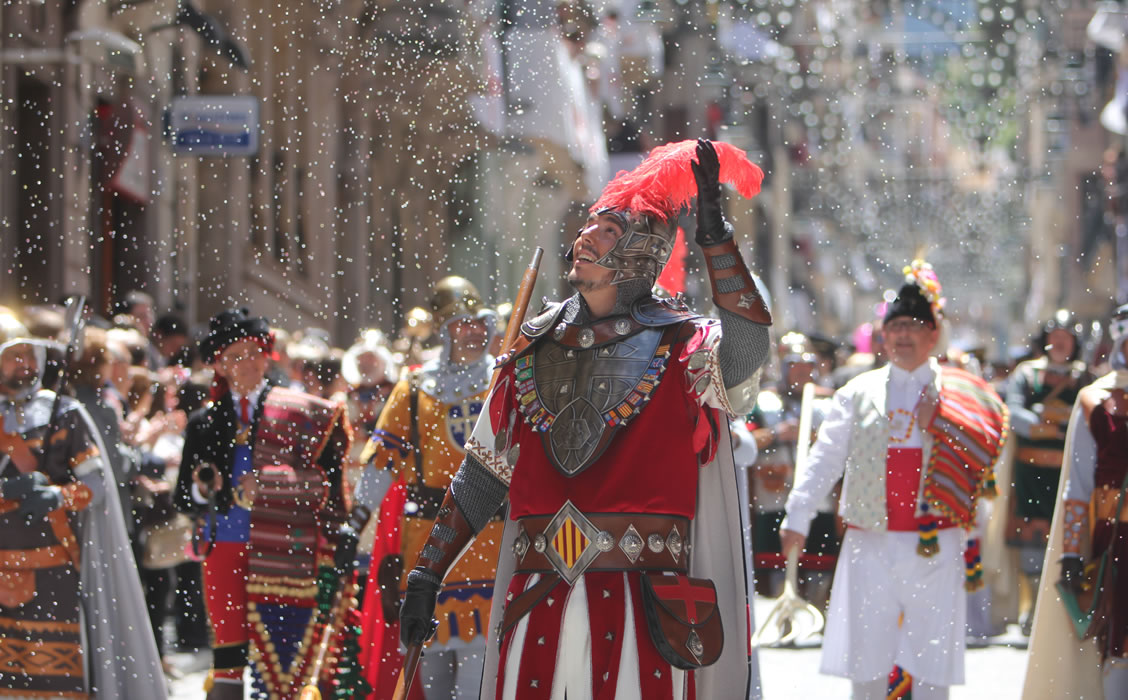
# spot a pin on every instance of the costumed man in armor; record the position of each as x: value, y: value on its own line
x: 262, y: 468
x: 1079, y: 644
x: 915, y: 444
x: 775, y: 425
x: 73, y: 621
x: 1040, y: 395
x: 420, y: 439
x: 607, y: 428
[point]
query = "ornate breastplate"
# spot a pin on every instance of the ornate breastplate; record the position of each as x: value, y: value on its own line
x: 578, y: 396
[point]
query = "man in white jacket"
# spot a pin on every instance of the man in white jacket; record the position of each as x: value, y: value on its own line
x: 901, y: 435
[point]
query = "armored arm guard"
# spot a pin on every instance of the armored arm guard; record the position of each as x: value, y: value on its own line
x: 474, y: 497
x: 745, y: 317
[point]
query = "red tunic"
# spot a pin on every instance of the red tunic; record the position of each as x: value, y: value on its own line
x: 651, y: 466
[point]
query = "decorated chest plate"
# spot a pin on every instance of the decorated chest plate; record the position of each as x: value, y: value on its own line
x: 579, y: 398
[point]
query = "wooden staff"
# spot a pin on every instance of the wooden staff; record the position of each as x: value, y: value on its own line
x: 520, y: 307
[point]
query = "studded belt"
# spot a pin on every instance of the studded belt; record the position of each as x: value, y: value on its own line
x: 572, y: 542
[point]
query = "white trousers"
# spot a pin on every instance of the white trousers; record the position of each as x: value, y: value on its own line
x: 889, y: 605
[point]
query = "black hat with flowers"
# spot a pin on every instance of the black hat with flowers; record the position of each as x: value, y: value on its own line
x: 920, y: 296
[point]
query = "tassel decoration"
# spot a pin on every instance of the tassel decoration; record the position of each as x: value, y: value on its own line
x: 990, y: 489
x: 900, y: 685
x: 973, y: 567
x: 929, y: 544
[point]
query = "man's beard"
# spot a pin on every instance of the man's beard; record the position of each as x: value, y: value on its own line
x: 19, y: 383
x: 582, y: 286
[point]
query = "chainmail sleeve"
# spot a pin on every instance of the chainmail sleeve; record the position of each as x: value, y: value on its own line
x: 477, y: 492
x: 743, y: 349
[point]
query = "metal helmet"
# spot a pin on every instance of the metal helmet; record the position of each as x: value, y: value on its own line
x: 643, y: 249
x: 647, y: 200
x: 454, y: 297
x: 1065, y: 320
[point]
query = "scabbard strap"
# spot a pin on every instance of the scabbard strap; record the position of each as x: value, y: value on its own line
x: 521, y: 605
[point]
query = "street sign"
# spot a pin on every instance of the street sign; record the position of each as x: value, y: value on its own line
x: 215, y: 125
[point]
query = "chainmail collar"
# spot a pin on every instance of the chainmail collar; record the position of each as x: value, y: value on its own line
x: 576, y: 311
x: 450, y: 382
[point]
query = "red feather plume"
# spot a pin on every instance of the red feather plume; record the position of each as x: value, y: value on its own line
x: 663, y: 183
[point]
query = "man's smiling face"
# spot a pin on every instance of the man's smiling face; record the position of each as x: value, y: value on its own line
x: 599, y: 235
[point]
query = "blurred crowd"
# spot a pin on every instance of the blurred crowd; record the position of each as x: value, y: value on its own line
x: 139, y: 374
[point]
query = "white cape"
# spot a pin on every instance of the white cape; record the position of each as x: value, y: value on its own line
x: 121, y: 652
x: 1060, y: 665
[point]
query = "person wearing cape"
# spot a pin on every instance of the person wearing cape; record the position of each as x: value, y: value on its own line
x: 1063, y: 664
x: 916, y: 444
x: 73, y: 621
x: 622, y: 564
x: 1040, y: 396
x: 419, y: 440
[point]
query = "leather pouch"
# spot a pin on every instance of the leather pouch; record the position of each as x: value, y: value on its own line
x: 683, y: 619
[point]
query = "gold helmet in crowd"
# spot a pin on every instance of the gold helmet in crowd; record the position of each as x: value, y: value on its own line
x: 455, y: 297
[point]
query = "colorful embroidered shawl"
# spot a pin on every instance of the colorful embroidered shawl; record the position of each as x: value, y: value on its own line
x: 968, y: 433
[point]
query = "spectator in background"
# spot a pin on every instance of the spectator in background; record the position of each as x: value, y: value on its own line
x: 171, y: 342
x: 140, y: 306
x: 116, y: 374
x: 188, y: 599
x: 93, y: 388
x: 44, y: 321
x: 309, y: 348
x: 282, y: 372
x: 331, y: 384
x: 371, y: 372
x: 146, y: 423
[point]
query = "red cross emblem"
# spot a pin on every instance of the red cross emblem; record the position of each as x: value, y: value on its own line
x: 685, y: 591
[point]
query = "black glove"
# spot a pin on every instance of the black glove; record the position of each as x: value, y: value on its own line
x: 711, y: 226
x: 1072, y: 573
x: 418, y: 609
x: 345, y: 555
x: 40, y: 502
x: 17, y: 488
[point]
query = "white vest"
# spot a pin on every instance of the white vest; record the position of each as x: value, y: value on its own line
x: 863, y: 486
